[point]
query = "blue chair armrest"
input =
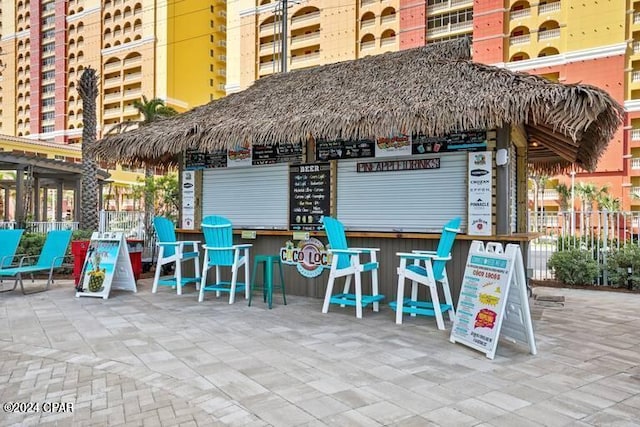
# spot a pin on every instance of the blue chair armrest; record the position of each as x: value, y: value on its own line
x: 168, y: 243
x: 365, y: 250
x: 190, y: 242
x: 345, y: 251
x: 243, y: 246
x: 26, y: 257
x: 215, y: 248
x: 421, y: 256
x: 418, y: 251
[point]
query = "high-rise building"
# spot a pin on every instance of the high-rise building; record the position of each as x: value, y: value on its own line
x: 591, y: 41
x: 172, y: 50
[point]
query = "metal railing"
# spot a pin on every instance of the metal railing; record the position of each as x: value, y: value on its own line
x: 46, y: 226
x: 599, y: 232
x: 131, y: 223
x: 7, y: 225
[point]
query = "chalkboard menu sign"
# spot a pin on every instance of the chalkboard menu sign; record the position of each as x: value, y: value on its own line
x: 459, y: 141
x: 217, y: 159
x: 309, y: 195
x: 340, y: 149
x: 276, y: 153
x: 193, y: 159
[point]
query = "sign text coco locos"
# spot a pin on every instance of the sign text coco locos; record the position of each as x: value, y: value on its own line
x: 309, y: 256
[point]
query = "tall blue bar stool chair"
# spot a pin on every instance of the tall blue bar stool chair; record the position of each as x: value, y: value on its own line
x: 267, y: 286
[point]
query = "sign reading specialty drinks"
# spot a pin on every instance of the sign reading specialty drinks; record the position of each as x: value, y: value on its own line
x: 493, y: 297
x: 309, y: 196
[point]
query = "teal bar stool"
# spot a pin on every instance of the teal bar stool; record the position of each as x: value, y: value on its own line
x: 267, y: 286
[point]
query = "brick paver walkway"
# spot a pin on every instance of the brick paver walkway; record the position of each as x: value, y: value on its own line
x: 151, y: 360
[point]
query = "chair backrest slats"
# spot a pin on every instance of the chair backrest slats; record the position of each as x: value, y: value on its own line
x: 218, y: 233
x: 54, y: 249
x: 9, y: 241
x: 449, y: 233
x: 166, y: 232
x: 337, y: 239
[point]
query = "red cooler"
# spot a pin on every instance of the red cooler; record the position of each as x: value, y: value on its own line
x: 79, y: 250
x: 135, y: 254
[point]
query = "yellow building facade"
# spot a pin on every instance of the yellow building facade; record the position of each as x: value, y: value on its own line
x: 318, y: 32
x: 173, y: 50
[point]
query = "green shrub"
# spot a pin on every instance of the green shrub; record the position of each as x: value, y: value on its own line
x: 574, y: 266
x: 618, y: 263
x: 81, y: 235
x: 30, y: 244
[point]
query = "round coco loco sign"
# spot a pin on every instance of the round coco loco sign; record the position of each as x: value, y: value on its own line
x: 309, y: 256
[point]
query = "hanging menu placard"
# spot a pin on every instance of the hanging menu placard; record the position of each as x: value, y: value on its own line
x: 216, y: 159
x: 276, y: 153
x: 309, y: 195
x: 459, y: 141
x: 340, y: 149
x: 194, y: 159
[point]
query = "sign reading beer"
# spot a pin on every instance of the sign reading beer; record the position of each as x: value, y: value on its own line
x: 309, y: 196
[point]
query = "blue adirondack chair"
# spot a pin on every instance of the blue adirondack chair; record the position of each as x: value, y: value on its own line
x: 428, y: 268
x: 172, y: 251
x: 221, y: 252
x: 9, y: 241
x: 346, y: 263
x: 51, y: 257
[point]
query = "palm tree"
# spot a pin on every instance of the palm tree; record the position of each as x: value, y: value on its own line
x: 151, y: 111
x: 612, y: 205
x: 564, y: 196
x: 586, y: 192
x: 88, y: 91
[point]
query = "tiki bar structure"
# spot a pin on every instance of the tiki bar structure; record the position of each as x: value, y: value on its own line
x: 392, y: 145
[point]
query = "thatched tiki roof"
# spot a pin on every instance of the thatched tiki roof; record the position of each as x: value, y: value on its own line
x: 434, y: 89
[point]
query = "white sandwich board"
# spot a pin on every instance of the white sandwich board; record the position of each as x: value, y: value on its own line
x: 109, y: 254
x: 493, y: 301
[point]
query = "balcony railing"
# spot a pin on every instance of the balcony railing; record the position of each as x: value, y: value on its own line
x: 269, y: 67
x: 387, y: 41
x: 549, y: 34
x: 131, y: 61
x: 636, y: 47
x: 110, y: 96
x: 548, y: 8
x: 305, y: 37
x: 367, y: 24
x: 111, y: 66
x: 635, y: 163
x: 549, y: 195
x: 635, y: 191
x: 635, y: 134
x: 388, y: 19
x: 450, y: 28
x: 132, y: 76
x: 364, y: 3
x: 304, y: 18
x: 305, y: 58
x: 635, y: 76
x: 519, y: 14
x: 522, y: 39
x: 636, y: 17
x: 371, y: 44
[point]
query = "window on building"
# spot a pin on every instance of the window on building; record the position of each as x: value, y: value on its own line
x: 48, y: 75
x: 48, y: 47
x: 48, y: 115
x: 48, y: 128
x: 48, y: 102
x: 48, y: 61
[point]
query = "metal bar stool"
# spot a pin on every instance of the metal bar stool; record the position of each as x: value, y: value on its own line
x: 267, y: 286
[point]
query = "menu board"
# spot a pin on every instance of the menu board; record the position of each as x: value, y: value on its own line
x: 459, y: 141
x: 106, y: 265
x: 493, y: 298
x: 216, y: 159
x: 309, y: 195
x: 340, y: 149
x: 194, y: 159
x: 276, y: 153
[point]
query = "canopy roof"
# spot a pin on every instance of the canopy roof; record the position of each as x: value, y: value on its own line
x: 432, y: 90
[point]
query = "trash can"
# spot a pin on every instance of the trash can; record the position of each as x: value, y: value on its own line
x: 135, y: 247
x: 79, y: 250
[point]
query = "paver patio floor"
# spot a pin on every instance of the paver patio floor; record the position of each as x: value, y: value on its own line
x: 145, y: 359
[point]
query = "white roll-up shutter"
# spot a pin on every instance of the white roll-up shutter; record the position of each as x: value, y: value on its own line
x: 418, y: 200
x: 252, y: 197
